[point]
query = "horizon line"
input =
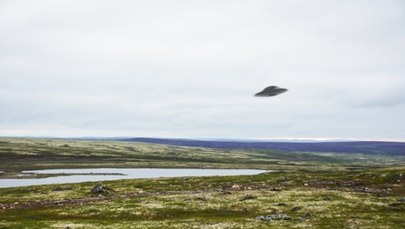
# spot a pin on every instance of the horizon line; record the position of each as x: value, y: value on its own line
x: 260, y: 139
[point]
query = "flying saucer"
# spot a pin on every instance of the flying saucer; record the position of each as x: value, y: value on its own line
x: 271, y: 91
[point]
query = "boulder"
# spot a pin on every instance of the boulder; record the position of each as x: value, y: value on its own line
x: 100, y: 189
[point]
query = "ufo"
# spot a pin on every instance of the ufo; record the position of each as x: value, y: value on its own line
x: 271, y: 91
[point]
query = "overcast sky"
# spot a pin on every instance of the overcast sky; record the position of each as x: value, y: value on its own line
x: 189, y: 68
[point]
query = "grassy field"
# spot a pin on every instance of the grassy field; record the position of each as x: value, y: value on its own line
x: 17, y: 154
x: 310, y: 190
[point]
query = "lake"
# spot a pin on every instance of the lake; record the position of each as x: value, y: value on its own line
x: 63, y: 176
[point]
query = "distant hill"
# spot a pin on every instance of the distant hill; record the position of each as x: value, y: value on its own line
x: 367, y: 147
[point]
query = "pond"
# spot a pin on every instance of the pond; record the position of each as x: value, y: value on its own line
x: 63, y: 176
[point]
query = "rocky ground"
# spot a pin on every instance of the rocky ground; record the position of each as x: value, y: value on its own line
x: 373, y: 199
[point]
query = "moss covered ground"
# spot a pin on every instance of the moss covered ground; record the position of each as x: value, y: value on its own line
x: 315, y: 190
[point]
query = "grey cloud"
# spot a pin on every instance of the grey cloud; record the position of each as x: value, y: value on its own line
x: 189, y: 68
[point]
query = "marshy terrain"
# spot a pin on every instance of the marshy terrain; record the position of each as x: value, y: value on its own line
x: 302, y: 189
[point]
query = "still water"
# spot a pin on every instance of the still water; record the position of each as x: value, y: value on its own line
x: 63, y: 176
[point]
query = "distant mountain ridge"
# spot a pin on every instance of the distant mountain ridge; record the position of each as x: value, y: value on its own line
x: 368, y: 147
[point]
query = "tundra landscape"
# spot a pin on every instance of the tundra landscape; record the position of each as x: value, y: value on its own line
x: 295, y: 190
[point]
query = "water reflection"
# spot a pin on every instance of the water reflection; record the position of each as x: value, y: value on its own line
x: 104, y: 174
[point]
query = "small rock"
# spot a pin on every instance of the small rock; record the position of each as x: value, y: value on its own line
x: 295, y: 209
x: 247, y: 197
x: 201, y: 198
x: 281, y: 204
x: 327, y: 198
x: 380, y: 194
x: 225, y: 192
x: 261, y: 217
x: 57, y: 189
x: 305, y: 216
x: 236, y: 187
x: 402, y: 200
x: 100, y: 189
x: 400, y: 204
x: 273, y: 217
